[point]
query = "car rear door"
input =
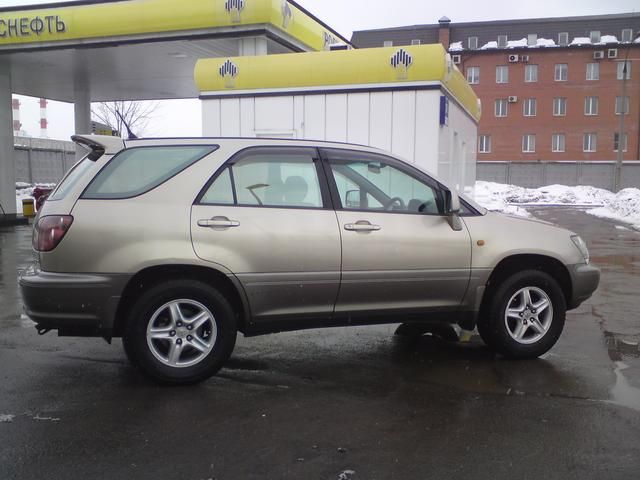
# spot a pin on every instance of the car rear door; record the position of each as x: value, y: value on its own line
x: 266, y: 216
x: 399, y: 252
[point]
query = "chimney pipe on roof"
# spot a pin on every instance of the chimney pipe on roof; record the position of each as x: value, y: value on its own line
x: 444, y: 33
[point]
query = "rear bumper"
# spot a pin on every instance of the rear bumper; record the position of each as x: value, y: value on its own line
x: 73, y: 304
x: 584, y: 281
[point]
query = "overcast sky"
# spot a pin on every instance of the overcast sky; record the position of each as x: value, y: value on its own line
x: 183, y: 117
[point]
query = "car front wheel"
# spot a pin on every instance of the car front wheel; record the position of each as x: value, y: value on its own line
x: 526, y: 315
x: 180, y: 332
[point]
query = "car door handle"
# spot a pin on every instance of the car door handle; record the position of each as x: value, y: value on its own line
x: 362, y: 226
x: 218, y: 222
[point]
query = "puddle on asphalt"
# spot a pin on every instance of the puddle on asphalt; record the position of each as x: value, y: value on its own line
x: 623, y: 393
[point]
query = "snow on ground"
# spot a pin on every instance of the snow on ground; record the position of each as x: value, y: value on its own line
x: 623, y: 206
x: 25, y: 190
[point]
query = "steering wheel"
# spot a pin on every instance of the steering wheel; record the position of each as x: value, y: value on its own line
x: 396, y: 200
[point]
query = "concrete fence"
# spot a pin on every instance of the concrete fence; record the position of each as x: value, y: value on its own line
x: 599, y: 174
x: 40, y: 160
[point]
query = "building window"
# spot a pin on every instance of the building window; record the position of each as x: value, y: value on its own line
x: 627, y: 35
x: 557, y: 142
x: 531, y: 73
x: 624, y: 70
x: 593, y: 71
x: 559, y: 106
x: 594, y: 35
x: 532, y: 40
x: 563, y: 39
x: 502, y: 41
x: 622, y: 105
x: 590, y: 142
x: 502, y: 74
x: 529, y: 107
x: 484, y: 144
x: 472, y: 42
x: 616, y: 142
x: 388, y: 43
x: 502, y: 106
x: 473, y: 75
x: 416, y: 41
x: 561, y: 72
x: 591, y: 105
x: 528, y: 143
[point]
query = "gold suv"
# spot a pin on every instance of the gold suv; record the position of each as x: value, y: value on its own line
x: 175, y: 245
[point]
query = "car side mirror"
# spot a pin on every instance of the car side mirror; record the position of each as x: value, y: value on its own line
x: 352, y: 199
x: 452, y: 209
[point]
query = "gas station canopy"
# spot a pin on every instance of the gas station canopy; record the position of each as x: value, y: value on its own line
x: 144, y: 49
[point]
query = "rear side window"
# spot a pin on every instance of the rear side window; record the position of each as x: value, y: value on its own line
x: 71, y: 180
x: 135, y: 171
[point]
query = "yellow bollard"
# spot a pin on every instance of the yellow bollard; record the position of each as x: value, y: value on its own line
x: 28, y: 207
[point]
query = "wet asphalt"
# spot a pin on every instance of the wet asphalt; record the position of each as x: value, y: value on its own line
x: 343, y: 403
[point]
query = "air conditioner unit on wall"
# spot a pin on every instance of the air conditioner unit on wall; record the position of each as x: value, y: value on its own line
x: 598, y: 55
x: 612, y: 53
x: 513, y: 58
x: 512, y: 99
x: 456, y: 59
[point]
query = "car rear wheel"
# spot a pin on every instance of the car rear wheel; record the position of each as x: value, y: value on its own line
x: 526, y: 315
x: 180, y: 332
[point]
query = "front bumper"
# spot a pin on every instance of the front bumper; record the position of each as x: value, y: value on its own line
x: 74, y: 304
x: 584, y: 280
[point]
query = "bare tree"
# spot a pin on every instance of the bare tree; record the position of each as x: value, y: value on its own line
x: 137, y: 115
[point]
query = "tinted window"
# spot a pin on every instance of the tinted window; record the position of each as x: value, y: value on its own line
x: 221, y: 190
x: 277, y: 180
x: 376, y: 185
x: 138, y: 170
x: 72, y: 178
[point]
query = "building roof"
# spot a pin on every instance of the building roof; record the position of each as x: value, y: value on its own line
x: 488, y: 31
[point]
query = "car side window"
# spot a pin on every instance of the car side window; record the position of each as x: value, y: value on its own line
x: 373, y: 184
x: 268, y: 180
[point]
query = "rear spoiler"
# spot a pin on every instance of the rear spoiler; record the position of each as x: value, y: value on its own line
x: 99, y: 145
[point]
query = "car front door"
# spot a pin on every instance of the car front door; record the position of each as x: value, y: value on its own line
x: 399, y: 252
x: 266, y: 216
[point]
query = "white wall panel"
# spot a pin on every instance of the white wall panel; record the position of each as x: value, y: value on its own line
x: 274, y: 114
x: 380, y: 121
x: 314, y: 117
x: 336, y: 119
x: 427, y: 129
x: 358, y: 118
x: 230, y: 117
x: 404, y: 124
x: 247, y: 117
x: 211, y: 118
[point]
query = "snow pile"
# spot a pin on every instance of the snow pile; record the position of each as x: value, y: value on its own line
x: 623, y: 206
x: 581, y: 41
x: 608, y: 39
x: 25, y: 190
x: 456, y: 47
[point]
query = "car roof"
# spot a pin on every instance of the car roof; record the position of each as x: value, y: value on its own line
x: 244, y: 142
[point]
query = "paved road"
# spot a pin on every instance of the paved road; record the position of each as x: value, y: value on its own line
x: 355, y: 403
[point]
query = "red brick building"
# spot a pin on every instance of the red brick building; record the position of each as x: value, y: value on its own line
x: 551, y: 89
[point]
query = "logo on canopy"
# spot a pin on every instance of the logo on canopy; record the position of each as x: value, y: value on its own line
x: 401, y: 61
x: 229, y: 71
x: 234, y: 7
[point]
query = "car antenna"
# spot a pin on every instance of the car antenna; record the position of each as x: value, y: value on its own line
x: 131, y: 135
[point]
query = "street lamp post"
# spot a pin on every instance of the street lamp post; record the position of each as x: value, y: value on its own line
x: 620, y: 153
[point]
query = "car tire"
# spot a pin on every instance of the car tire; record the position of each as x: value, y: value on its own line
x: 180, y: 332
x: 525, y: 315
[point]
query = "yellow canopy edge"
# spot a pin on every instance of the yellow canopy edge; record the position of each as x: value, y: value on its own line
x: 388, y: 66
x: 31, y: 27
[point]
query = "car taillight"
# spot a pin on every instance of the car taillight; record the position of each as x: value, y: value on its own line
x: 49, y: 231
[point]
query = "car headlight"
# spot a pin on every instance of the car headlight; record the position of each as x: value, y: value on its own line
x: 582, y: 246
